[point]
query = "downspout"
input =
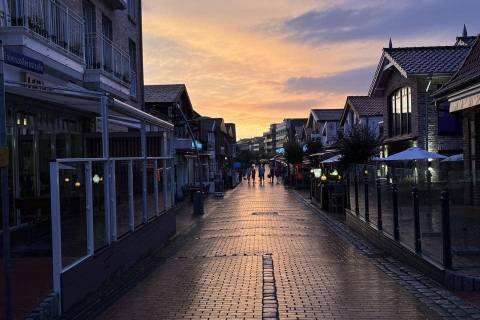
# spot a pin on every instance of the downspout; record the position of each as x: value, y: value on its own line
x: 140, y: 37
x: 429, y: 78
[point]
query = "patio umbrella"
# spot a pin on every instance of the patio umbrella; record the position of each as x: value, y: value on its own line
x: 455, y: 157
x: 414, y: 154
x: 333, y: 159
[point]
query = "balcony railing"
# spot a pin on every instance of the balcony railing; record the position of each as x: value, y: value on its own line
x: 103, y: 54
x: 51, y: 20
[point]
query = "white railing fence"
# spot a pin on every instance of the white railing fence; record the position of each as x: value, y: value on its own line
x: 103, y: 54
x: 97, y: 201
x: 53, y: 21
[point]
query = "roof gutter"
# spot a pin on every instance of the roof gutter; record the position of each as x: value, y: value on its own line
x: 122, y: 107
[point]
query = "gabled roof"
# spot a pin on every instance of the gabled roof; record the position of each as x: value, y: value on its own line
x: 324, y: 115
x: 416, y: 61
x: 163, y: 93
x: 364, y: 106
x: 427, y: 60
x: 468, y: 73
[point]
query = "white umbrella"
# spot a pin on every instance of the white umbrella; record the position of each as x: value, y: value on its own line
x: 333, y: 159
x: 414, y: 154
x: 455, y: 157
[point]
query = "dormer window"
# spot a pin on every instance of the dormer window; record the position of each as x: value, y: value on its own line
x: 400, y: 112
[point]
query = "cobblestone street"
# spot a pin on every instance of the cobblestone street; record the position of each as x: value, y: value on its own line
x: 262, y: 252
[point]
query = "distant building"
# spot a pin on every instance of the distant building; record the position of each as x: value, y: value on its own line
x: 322, y: 125
x: 289, y: 130
x: 255, y: 145
x: 363, y: 110
x: 172, y: 103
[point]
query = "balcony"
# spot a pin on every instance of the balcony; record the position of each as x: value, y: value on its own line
x: 107, y: 65
x: 52, y: 21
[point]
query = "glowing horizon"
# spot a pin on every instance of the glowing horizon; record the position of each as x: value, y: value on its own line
x: 257, y: 62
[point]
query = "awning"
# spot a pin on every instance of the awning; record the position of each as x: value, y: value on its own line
x: 454, y: 158
x: 82, y: 101
x: 465, y: 103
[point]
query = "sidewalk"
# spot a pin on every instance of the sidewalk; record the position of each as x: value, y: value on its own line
x: 264, y: 253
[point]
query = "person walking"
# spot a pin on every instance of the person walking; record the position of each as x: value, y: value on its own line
x: 249, y: 173
x: 253, y: 173
x: 271, y: 173
x: 278, y: 172
x: 261, y: 173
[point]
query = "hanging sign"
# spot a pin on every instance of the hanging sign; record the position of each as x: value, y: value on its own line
x: 22, y: 61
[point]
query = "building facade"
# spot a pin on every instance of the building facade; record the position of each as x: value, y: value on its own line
x: 83, y: 48
x: 74, y: 90
x: 461, y: 95
x: 322, y: 125
x: 362, y: 110
x: 406, y: 79
x: 172, y: 103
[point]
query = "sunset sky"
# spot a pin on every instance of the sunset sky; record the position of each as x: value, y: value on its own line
x: 256, y: 62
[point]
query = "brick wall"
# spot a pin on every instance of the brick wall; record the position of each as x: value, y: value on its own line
x: 418, y: 86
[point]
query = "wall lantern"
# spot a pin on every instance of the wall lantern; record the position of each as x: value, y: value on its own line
x: 77, y: 184
x: 323, y: 178
x: 67, y: 179
x: 334, y: 173
x: 96, y: 178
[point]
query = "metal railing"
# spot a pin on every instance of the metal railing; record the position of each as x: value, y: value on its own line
x: 53, y: 21
x: 103, y: 54
x: 98, y: 201
x: 436, y: 219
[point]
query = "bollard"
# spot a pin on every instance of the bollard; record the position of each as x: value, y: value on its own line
x: 367, y: 211
x: 416, y: 221
x: 447, y: 245
x: 379, y: 206
x: 197, y: 203
x: 355, y: 180
x: 396, y: 229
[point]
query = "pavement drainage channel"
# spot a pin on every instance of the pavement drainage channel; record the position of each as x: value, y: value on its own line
x: 269, y: 297
x: 430, y: 293
x: 266, y: 213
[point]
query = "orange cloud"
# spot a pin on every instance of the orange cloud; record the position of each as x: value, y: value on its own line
x: 234, y: 69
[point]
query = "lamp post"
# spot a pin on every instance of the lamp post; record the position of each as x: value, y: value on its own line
x: 190, y: 132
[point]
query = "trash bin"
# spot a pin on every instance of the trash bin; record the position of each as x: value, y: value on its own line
x: 197, y: 202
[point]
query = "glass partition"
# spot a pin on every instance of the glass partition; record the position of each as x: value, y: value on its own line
x: 73, y: 214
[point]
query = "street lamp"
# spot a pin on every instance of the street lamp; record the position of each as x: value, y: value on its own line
x: 190, y: 132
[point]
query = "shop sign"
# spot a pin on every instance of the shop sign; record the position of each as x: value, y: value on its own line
x: 22, y: 61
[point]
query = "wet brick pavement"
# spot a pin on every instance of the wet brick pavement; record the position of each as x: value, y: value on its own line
x: 263, y: 252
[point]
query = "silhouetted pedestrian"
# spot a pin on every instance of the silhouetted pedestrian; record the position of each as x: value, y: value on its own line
x: 261, y: 173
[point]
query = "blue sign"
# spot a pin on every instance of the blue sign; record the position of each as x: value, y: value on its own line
x: 237, y: 165
x: 280, y: 151
x: 22, y: 61
x: 305, y: 148
x: 199, y: 145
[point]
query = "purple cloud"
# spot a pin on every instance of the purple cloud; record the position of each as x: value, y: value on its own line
x: 350, y: 81
x: 396, y: 19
